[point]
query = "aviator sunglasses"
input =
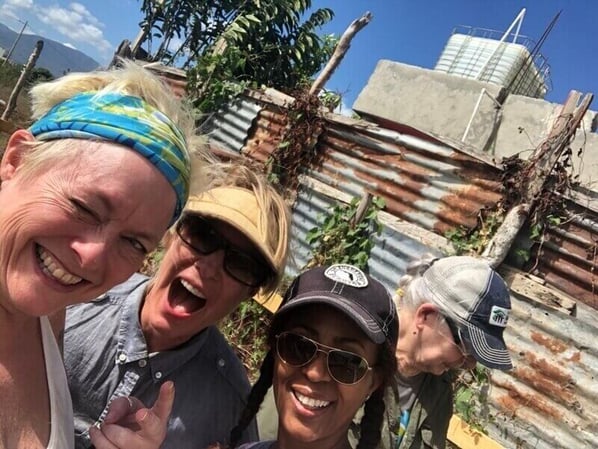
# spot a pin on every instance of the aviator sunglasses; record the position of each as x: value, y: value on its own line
x: 344, y: 367
x: 201, y: 236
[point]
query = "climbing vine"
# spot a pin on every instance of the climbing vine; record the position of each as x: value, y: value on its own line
x: 343, y: 237
x: 297, y: 149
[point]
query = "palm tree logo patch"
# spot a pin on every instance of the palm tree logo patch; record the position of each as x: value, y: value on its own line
x: 499, y: 316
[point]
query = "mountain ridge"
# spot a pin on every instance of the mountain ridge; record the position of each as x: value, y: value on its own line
x: 56, y: 57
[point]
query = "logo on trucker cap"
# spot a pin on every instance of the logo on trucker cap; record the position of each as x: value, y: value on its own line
x: 347, y: 274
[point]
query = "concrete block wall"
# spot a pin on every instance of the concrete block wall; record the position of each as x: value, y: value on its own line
x: 442, y: 105
x: 433, y: 102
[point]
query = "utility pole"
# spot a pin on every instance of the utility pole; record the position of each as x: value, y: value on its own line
x: 15, y: 43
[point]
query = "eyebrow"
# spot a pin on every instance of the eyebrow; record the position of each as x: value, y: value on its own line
x: 109, y: 208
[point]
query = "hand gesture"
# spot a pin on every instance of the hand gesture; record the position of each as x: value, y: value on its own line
x: 130, y: 425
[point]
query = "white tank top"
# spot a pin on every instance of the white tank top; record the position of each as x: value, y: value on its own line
x: 62, y: 433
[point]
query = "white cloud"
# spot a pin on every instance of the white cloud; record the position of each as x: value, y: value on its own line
x: 25, y: 4
x: 9, y: 8
x: 77, y: 23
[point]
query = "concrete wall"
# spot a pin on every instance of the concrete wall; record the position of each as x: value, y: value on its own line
x: 434, y: 102
x: 526, y: 123
x: 442, y: 105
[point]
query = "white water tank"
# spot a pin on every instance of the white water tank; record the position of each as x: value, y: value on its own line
x: 495, y: 61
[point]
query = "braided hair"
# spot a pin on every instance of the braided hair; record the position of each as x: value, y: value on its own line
x: 255, y: 398
x: 373, y: 413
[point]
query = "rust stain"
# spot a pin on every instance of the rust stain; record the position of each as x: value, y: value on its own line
x: 509, y: 405
x: 576, y: 356
x: 547, y: 369
x: 514, y: 400
x: 554, y: 345
x: 546, y: 385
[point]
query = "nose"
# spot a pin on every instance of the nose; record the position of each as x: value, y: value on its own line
x: 92, y: 254
x: 210, y: 265
x: 317, y: 369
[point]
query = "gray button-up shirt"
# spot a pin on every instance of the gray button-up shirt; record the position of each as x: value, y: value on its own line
x: 106, y: 356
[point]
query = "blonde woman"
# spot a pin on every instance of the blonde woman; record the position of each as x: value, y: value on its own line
x: 86, y: 192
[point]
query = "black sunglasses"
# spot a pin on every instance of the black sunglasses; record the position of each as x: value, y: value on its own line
x: 345, y: 367
x: 201, y: 236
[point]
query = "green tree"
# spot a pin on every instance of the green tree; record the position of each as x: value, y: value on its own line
x: 229, y: 44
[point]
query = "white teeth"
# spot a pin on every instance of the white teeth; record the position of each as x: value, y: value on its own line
x: 190, y: 288
x: 52, y: 268
x: 310, y: 402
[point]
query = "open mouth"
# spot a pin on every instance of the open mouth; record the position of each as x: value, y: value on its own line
x: 184, y: 298
x: 310, y: 403
x: 54, y: 269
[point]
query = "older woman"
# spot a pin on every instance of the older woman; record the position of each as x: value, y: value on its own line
x: 331, y: 352
x: 86, y: 192
x: 452, y: 314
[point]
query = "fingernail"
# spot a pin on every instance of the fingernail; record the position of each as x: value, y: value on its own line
x: 144, y: 417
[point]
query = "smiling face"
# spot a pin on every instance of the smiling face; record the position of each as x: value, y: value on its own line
x: 78, y: 226
x: 313, y: 408
x: 192, y: 291
x: 426, y: 344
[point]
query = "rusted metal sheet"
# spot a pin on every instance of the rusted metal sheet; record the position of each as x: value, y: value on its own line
x: 397, y: 244
x: 549, y: 399
x: 424, y: 183
x: 267, y: 133
x: 568, y: 256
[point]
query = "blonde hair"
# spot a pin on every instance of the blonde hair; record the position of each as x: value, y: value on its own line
x: 274, y: 219
x: 130, y: 79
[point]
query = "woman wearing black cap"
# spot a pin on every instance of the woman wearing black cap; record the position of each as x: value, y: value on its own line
x: 452, y: 314
x: 332, y: 345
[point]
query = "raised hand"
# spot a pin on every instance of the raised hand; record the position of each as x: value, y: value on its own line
x: 130, y: 425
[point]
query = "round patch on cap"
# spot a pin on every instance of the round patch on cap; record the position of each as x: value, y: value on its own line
x: 347, y: 274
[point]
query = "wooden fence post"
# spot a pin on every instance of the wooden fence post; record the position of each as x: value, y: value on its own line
x: 339, y: 52
x: 538, y: 167
x: 12, y: 101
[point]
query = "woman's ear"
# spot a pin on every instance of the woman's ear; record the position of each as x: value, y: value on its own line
x: 14, y: 152
x: 425, y: 314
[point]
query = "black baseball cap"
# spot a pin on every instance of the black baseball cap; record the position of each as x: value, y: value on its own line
x: 349, y: 290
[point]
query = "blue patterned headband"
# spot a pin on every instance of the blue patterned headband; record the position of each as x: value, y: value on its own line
x: 128, y: 121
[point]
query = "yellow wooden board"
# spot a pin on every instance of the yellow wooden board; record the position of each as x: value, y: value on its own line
x: 271, y: 303
x: 464, y: 437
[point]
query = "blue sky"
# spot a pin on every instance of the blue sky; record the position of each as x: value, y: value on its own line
x: 408, y: 31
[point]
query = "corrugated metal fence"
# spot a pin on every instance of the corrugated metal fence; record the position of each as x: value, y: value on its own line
x: 550, y: 399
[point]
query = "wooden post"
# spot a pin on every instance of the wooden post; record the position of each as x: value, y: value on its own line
x: 12, y: 100
x: 537, y: 169
x: 339, y: 52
